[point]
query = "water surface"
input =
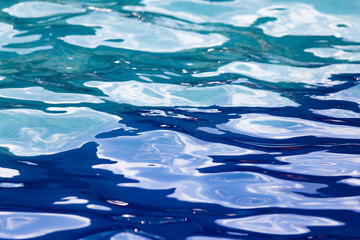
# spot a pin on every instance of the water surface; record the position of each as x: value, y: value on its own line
x: 179, y: 119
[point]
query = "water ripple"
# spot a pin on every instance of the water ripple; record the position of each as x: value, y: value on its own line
x: 320, y: 76
x: 287, y: 224
x: 32, y: 132
x: 10, y: 37
x: 40, y: 94
x: 25, y: 225
x: 263, y: 125
x: 191, y: 119
x: 118, y: 31
x: 319, y: 164
x: 303, y: 19
x: 350, y: 94
x: 37, y: 9
x: 156, y: 94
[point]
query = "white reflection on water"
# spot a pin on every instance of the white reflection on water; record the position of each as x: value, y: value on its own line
x: 33, y: 132
x: 165, y: 152
x: 303, y: 19
x: 118, y: 31
x: 336, y: 113
x: 336, y: 52
x: 351, y: 181
x: 274, y: 127
x: 170, y: 160
x: 289, y: 18
x: 282, y: 224
x: 128, y: 236
x: 318, y: 164
x: 351, y: 94
x: 11, y: 185
x: 46, y: 96
x: 238, y: 13
x: 37, y: 9
x: 98, y: 207
x: 281, y: 73
x: 213, y: 238
x: 71, y: 200
x: 8, y: 35
x: 158, y: 94
x: 8, y: 172
x: 25, y: 225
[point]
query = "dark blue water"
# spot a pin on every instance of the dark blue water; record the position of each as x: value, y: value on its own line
x: 179, y: 119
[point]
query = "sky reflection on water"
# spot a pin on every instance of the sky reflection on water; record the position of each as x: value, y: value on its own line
x: 177, y: 119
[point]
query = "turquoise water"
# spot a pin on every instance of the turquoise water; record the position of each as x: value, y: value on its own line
x: 186, y: 119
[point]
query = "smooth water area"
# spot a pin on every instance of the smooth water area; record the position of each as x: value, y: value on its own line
x: 179, y: 119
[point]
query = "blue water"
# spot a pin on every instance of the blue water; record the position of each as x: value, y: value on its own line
x: 179, y: 119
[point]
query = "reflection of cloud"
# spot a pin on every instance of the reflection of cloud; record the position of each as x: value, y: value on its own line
x: 24, y: 225
x: 8, y: 172
x: 46, y: 96
x: 289, y: 18
x: 118, y: 31
x: 161, y: 151
x: 238, y: 13
x: 281, y: 73
x: 335, y: 112
x: 32, y: 132
x: 171, y: 160
x: 157, y: 94
x: 336, y: 53
x: 274, y: 127
x: 166, y: 152
x: 351, y: 94
x: 11, y: 185
x: 128, y: 236
x: 37, y: 9
x: 98, y: 207
x: 318, y: 164
x: 280, y: 224
x: 214, y: 238
x: 71, y: 200
x: 351, y: 181
x: 8, y: 36
x: 302, y: 19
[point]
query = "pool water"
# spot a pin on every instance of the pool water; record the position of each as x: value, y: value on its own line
x: 179, y: 119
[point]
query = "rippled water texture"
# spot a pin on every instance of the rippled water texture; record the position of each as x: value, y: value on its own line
x: 179, y: 119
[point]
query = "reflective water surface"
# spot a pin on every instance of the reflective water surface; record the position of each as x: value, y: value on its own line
x: 179, y: 119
